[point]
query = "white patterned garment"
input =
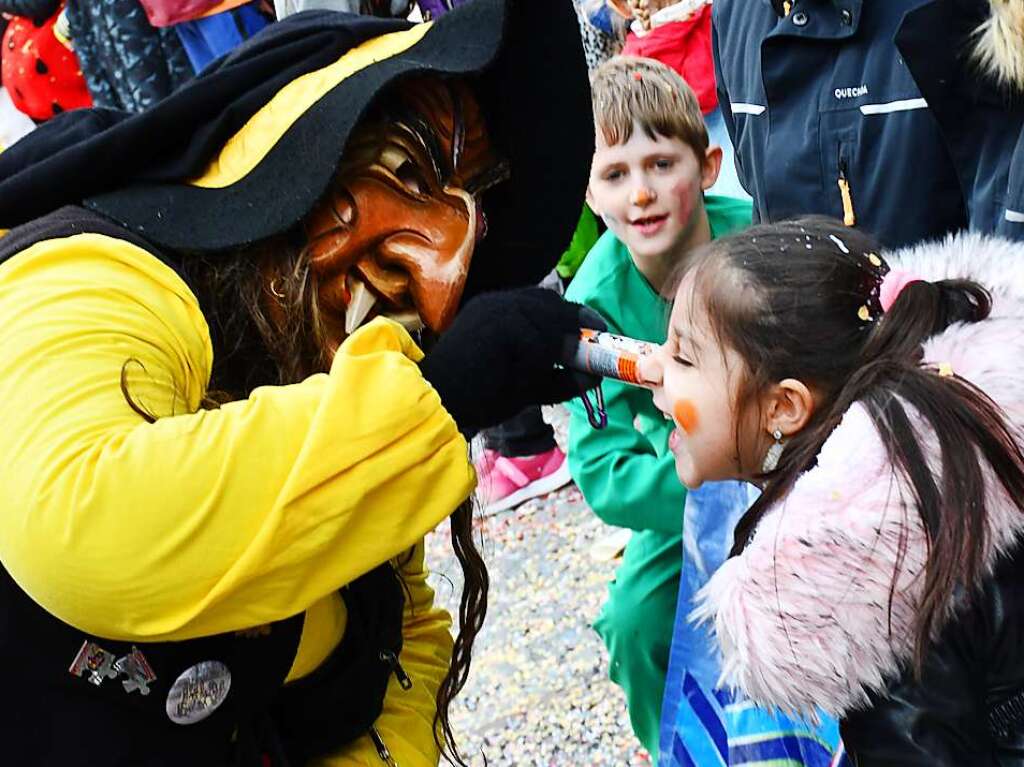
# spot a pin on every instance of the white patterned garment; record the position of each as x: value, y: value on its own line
x: 597, y: 46
x: 284, y: 8
x: 13, y: 123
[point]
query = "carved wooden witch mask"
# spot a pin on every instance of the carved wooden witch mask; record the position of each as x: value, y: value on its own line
x: 395, y: 233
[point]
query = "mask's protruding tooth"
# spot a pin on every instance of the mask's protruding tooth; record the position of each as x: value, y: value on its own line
x: 359, y: 305
x: 410, y: 320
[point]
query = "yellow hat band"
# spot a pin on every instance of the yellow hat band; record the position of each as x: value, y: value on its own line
x: 254, y: 140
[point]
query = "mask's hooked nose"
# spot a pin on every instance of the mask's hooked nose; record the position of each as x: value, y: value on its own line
x: 439, y: 285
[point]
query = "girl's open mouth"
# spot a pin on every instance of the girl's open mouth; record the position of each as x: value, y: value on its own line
x: 673, y: 440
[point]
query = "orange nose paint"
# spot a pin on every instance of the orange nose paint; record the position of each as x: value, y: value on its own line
x: 685, y: 413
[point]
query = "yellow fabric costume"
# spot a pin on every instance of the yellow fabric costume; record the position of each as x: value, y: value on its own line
x: 209, y: 521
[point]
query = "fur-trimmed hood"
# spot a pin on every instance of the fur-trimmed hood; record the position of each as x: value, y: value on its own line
x: 999, y: 47
x: 802, y: 615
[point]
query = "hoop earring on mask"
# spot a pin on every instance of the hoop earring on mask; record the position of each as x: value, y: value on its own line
x: 771, y: 458
x: 274, y: 290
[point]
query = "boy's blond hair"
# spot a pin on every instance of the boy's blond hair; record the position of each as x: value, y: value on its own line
x: 628, y: 89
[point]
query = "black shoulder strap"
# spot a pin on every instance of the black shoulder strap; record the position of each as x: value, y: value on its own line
x: 67, y: 222
x: 343, y: 698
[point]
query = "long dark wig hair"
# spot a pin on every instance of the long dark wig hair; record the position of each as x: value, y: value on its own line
x: 800, y: 299
x: 254, y: 346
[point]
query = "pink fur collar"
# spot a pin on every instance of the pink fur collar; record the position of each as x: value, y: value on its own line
x: 802, y: 616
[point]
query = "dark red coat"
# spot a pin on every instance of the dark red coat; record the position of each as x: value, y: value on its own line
x: 686, y: 47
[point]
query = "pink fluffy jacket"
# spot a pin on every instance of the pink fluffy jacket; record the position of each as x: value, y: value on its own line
x: 802, y: 614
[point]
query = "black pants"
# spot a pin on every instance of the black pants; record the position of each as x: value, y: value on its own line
x: 525, y: 433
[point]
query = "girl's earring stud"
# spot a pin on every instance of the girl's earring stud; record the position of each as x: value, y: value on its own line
x: 771, y: 458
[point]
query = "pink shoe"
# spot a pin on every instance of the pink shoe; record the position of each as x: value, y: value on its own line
x: 511, y: 481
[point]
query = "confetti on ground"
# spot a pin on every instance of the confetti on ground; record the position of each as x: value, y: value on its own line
x: 538, y: 693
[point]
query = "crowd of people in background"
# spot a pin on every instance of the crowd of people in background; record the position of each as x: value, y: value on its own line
x: 812, y: 208
x: 129, y: 54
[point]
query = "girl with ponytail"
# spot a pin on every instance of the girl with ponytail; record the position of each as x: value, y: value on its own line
x: 880, y: 409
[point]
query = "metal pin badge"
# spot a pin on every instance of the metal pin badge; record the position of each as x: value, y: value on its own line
x: 137, y: 669
x: 95, y: 661
x: 198, y: 692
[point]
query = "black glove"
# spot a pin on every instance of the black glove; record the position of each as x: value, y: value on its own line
x: 499, y: 356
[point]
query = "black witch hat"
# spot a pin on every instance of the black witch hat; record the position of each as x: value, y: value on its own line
x: 245, y: 150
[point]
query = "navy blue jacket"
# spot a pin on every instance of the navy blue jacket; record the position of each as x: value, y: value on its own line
x: 824, y: 94
x: 980, y: 119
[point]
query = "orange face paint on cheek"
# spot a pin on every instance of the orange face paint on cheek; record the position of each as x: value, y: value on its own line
x: 685, y: 413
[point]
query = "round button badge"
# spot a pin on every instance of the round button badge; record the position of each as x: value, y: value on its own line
x: 198, y: 692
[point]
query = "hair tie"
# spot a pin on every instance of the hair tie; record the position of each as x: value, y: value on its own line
x: 893, y: 284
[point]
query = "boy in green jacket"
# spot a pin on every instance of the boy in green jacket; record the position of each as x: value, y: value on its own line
x: 651, y: 166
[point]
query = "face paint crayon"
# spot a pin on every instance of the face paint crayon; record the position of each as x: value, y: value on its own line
x: 609, y: 355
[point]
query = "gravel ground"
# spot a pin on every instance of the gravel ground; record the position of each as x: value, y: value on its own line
x: 538, y: 694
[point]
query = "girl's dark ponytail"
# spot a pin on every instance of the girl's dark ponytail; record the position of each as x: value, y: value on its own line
x: 924, y: 309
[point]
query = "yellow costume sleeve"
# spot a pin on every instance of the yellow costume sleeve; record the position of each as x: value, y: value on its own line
x: 207, y: 521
